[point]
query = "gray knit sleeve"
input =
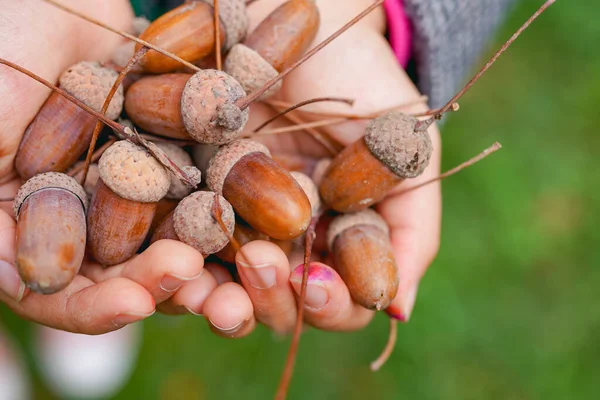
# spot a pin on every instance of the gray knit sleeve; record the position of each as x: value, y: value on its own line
x: 449, y: 37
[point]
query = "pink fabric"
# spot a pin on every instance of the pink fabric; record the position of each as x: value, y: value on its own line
x: 399, y: 29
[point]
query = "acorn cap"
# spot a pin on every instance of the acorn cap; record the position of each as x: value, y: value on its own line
x: 196, y: 225
x: 346, y: 221
x: 227, y: 156
x: 251, y: 70
x: 131, y: 172
x: 49, y: 180
x: 320, y: 169
x: 234, y: 18
x: 90, y: 83
x: 311, y: 190
x: 393, y: 140
x: 208, y: 110
x: 178, y: 190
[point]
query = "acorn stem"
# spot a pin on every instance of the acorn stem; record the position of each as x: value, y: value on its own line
x: 288, y: 370
x: 122, y: 33
x: 302, y: 126
x: 132, y: 61
x: 217, y: 36
x: 244, y: 102
x: 301, y: 104
x: 389, y: 347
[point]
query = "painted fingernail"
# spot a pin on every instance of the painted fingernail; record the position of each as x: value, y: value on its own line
x: 10, y: 282
x: 227, y: 330
x: 170, y: 283
x: 319, y: 276
x: 130, y: 318
x: 259, y: 276
x: 396, y: 313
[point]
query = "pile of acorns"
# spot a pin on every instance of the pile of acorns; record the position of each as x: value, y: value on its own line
x: 130, y: 199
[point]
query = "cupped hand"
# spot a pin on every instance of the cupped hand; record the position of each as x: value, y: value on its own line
x: 358, y: 65
x: 47, y: 41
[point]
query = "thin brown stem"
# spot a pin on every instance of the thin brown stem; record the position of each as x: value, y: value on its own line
x: 244, y: 102
x: 217, y: 35
x: 122, y: 33
x: 95, y: 157
x: 132, y: 61
x: 302, y: 126
x: 218, y: 214
x: 176, y: 142
x: 288, y: 371
x: 118, y: 128
x: 492, y: 149
x: 322, y: 139
x: 284, y: 104
x: 436, y: 111
x: 389, y: 347
x: 302, y: 104
x: 487, y: 66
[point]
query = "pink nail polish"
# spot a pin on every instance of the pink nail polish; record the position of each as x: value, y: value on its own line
x: 396, y: 313
x: 317, y: 273
x: 317, y: 293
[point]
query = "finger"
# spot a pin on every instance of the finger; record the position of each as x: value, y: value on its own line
x: 8, y: 191
x: 85, y: 307
x: 11, y: 284
x: 328, y: 302
x: 161, y: 269
x: 264, y: 271
x: 229, y: 311
x: 191, y: 297
x: 414, y: 219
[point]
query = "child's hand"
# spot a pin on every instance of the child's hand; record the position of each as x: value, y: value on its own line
x: 47, y: 41
x: 358, y: 65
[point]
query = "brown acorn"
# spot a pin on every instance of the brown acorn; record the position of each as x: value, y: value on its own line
x: 187, y: 31
x: 262, y: 193
x: 364, y: 172
x: 61, y: 132
x: 276, y: 43
x: 182, y: 106
x: 121, y: 211
x: 363, y: 257
x: 51, y: 231
x: 193, y: 223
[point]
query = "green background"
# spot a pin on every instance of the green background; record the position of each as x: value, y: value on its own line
x: 510, y: 308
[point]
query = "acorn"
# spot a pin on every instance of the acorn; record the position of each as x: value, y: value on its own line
x: 364, y: 257
x: 193, y: 223
x: 51, y: 231
x: 188, y: 32
x: 262, y: 193
x: 61, y: 131
x: 127, y: 194
x: 276, y: 43
x: 362, y: 174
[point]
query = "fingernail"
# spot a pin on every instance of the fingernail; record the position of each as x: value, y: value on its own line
x: 259, y: 276
x: 130, y: 318
x: 10, y: 281
x: 170, y: 283
x: 229, y: 330
x: 192, y: 312
x: 409, y: 301
x: 319, y: 276
x: 396, y: 313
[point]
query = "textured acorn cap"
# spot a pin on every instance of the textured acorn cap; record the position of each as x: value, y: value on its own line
x: 234, y: 18
x: 227, y: 156
x: 251, y: 70
x: 195, y: 224
x: 131, y: 172
x: 90, y: 83
x: 45, y: 181
x: 208, y: 110
x: 393, y: 140
x: 320, y: 169
x: 346, y: 221
x: 311, y: 190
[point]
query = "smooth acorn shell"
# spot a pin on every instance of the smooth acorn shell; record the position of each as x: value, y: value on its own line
x: 267, y: 197
x: 116, y: 226
x: 284, y: 36
x: 50, y: 239
x: 186, y: 31
x: 356, y: 180
x: 364, y: 259
x: 58, y: 135
x: 154, y: 104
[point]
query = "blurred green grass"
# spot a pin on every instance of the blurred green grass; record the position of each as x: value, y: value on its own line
x: 509, y: 310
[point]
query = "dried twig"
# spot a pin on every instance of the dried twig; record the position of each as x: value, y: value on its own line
x: 389, y: 347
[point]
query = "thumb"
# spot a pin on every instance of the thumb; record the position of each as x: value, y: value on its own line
x: 11, y: 284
